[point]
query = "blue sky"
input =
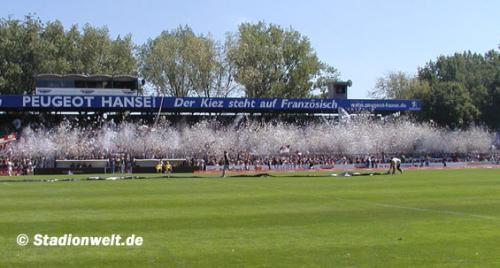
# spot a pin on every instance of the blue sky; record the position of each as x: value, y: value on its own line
x: 362, y: 39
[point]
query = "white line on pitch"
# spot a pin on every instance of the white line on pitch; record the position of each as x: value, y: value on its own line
x: 421, y: 209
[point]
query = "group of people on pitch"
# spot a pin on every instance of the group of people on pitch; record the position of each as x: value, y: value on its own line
x: 163, y: 167
x: 395, y: 163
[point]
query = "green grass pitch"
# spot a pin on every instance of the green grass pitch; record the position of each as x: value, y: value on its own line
x: 426, y: 218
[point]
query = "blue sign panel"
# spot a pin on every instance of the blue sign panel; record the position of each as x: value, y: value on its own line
x: 114, y: 103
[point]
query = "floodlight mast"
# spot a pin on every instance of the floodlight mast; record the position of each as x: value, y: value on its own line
x: 159, y: 111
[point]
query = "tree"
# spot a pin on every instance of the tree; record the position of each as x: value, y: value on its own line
x: 224, y: 81
x: 53, y: 44
x: 19, y: 52
x: 468, y: 81
x: 478, y: 74
x: 273, y: 62
x: 121, y: 56
x: 201, y: 64
x: 31, y: 47
x: 448, y: 104
x: 100, y: 54
x: 179, y: 63
x: 394, y: 85
x: 327, y: 75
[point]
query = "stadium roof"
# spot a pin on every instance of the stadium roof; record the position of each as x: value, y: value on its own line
x: 95, y: 77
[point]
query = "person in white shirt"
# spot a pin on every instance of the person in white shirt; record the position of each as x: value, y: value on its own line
x: 395, y: 164
x: 9, y: 167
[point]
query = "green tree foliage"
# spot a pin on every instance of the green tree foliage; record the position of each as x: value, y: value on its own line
x: 449, y: 104
x: 181, y: 63
x: 326, y: 75
x: 100, y: 54
x: 273, y: 62
x: 30, y: 47
x: 261, y: 60
x: 478, y: 75
x: 394, y: 85
x: 225, y: 83
x: 456, y: 90
x: 20, y: 49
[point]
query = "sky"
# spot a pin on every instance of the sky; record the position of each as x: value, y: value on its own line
x: 364, y: 40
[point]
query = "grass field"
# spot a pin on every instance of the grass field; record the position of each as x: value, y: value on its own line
x: 427, y: 218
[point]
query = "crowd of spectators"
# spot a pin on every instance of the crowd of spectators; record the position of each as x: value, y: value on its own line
x: 297, y: 160
x: 285, y: 157
x: 123, y: 162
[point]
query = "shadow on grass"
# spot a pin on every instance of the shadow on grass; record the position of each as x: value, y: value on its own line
x: 131, y: 177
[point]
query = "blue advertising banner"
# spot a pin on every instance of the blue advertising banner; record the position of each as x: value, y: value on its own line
x: 116, y: 103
